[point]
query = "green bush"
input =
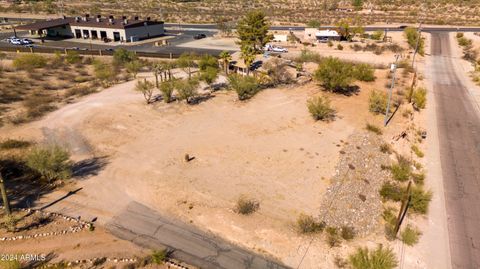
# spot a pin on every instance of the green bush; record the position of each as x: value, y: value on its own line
x: 413, y: 36
x: 373, y: 128
x: 339, y: 47
x: 420, y: 200
x: 402, y: 169
x: 133, y: 67
x: 167, y: 88
x: 186, y: 88
x: 410, y: 235
x: 463, y: 41
x: 380, y: 258
x: 104, y: 72
x: 246, y: 206
x: 459, y: 35
x: 14, y: 144
x: 306, y: 225
x: 419, y: 98
x: 418, y: 178
x: 73, y: 57
x: 307, y: 56
x: 417, y: 151
x: 391, y: 191
x: 29, y: 61
x: 333, y: 238
x: 377, y: 35
x: 51, y: 162
x: 334, y: 74
x: 122, y: 56
x: 320, y: 108
x: 245, y: 86
x: 364, y: 72
x: 159, y: 256
x: 377, y: 102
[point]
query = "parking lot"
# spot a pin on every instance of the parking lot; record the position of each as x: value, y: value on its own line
x: 174, y: 47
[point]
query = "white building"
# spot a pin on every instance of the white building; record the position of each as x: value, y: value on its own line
x: 328, y: 34
x: 108, y: 29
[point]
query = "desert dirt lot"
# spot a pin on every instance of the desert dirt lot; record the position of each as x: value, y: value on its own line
x: 268, y: 148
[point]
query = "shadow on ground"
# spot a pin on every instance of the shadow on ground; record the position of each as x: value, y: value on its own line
x: 89, y: 167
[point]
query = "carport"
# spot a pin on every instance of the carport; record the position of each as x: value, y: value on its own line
x: 50, y: 28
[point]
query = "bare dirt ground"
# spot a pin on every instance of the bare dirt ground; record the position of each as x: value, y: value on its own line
x: 268, y: 148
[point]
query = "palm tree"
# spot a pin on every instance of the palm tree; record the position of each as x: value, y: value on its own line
x: 248, y: 56
x: 226, y: 58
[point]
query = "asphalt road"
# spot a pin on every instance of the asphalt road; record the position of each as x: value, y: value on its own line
x: 145, y: 227
x: 459, y: 133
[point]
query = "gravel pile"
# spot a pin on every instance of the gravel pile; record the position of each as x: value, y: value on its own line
x: 353, y: 198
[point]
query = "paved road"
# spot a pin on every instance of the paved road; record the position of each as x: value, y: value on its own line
x: 145, y: 227
x: 459, y: 134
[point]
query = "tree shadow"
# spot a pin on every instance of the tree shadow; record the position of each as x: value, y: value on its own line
x: 200, y: 99
x: 38, y: 222
x: 348, y: 91
x: 22, y: 184
x: 89, y: 167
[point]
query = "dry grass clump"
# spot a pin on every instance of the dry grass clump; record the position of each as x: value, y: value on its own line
x: 246, y: 206
x: 307, y: 224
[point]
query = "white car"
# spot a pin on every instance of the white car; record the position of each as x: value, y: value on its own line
x: 16, y: 42
x: 279, y: 49
x: 26, y: 41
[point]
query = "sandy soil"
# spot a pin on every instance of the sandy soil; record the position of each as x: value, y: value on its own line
x: 217, y: 43
x: 268, y: 148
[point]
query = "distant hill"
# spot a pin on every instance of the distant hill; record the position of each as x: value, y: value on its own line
x: 458, y: 12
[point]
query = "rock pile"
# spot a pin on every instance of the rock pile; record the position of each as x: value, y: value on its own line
x: 353, y: 199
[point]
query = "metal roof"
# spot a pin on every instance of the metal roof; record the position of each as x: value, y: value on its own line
x: 105, y: 22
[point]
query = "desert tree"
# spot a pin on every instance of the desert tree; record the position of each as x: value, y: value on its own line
x: 158, y: 69
x: 51, y: 162
x: 133, y: 67
x: 248, y: 56
x: 334, y: 74
x: 146, y: 88
x: 104, y: 72
x: 186, y: 62
x: 186, y: 88
x: 208, y: 66
x: 226, y: 58
x: 345, y: 30
x: 253, y: 29
x: 3, y: 190
x: 166, y: 88
x: 122, y: 56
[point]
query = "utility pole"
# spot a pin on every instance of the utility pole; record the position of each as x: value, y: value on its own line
x: 419, y: 36
x: 393, y: 69
x: 404, y: 208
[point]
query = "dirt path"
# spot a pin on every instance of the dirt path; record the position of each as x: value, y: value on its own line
x: 459, y: 129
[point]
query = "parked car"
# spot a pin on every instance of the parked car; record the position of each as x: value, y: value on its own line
x: 199, y: 36
x: 16, y: 42
x: 279, y: 49
x: 26, y: 41
x: 109, y: 49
